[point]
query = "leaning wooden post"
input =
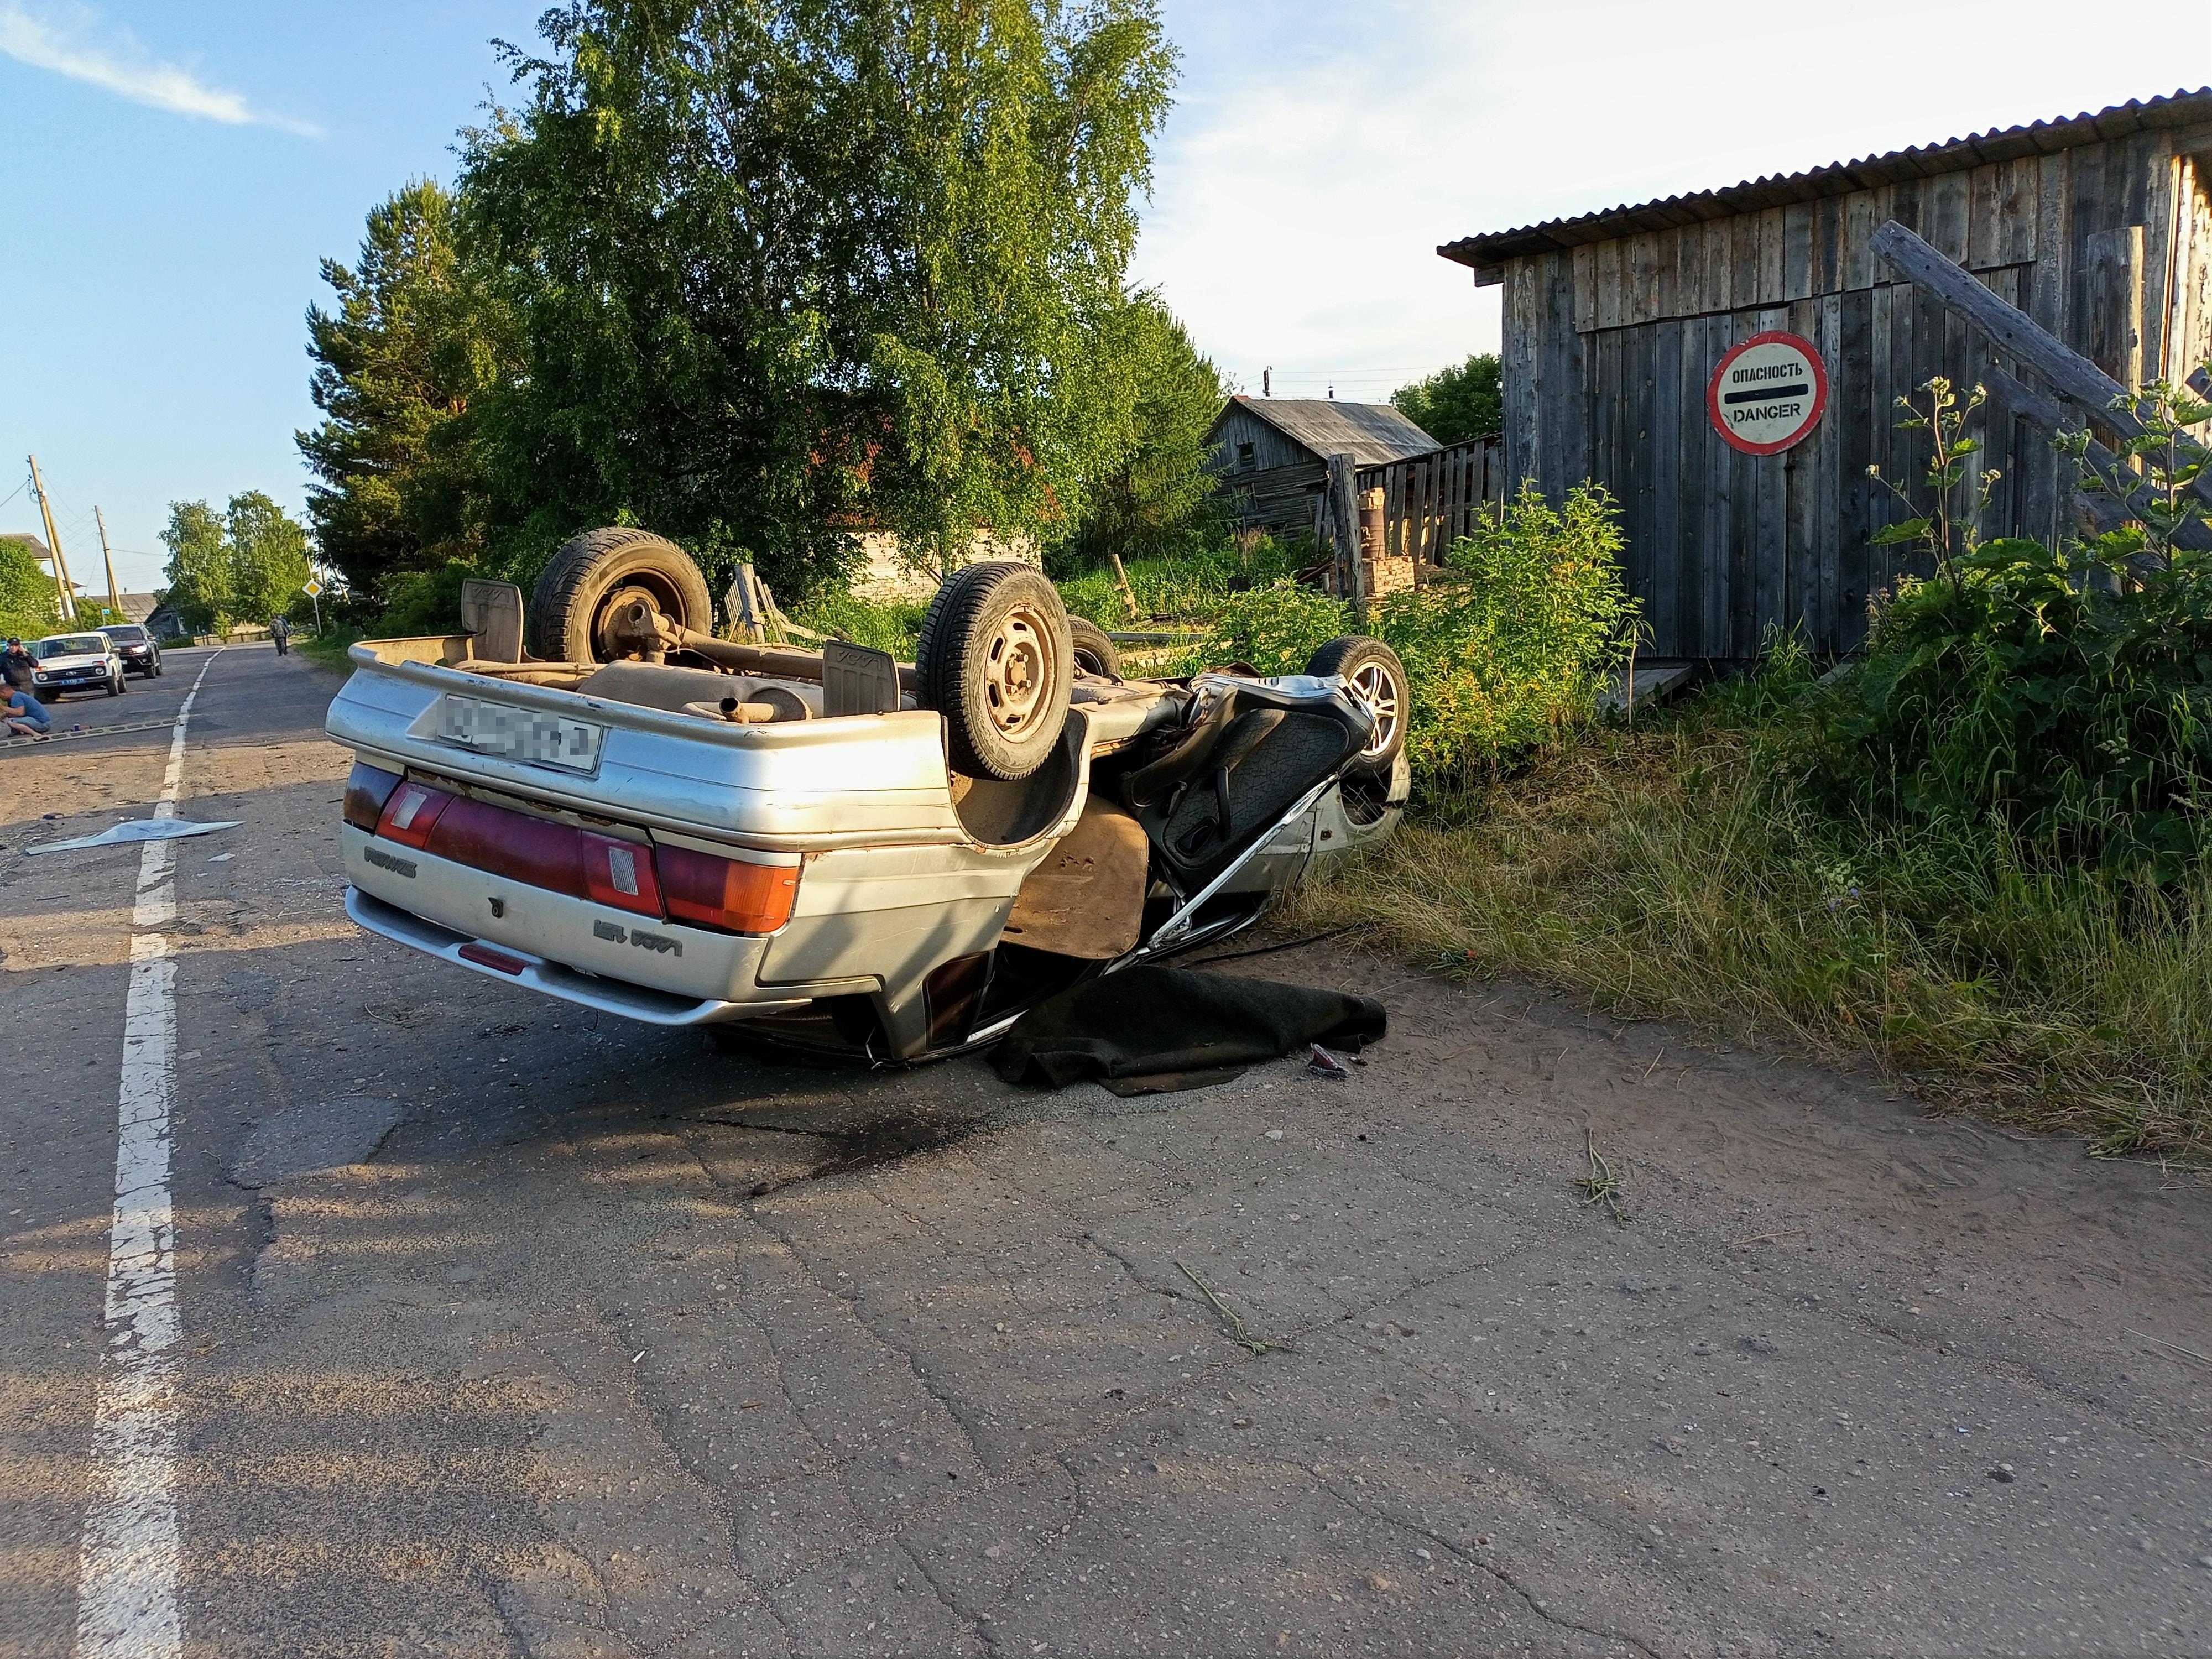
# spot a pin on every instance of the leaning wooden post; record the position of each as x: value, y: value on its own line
x: 1344, y: 531
x: 1121, y: 581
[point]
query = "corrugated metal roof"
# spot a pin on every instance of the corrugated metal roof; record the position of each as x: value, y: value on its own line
x: 2182, y: 108
x: 1373, y: 432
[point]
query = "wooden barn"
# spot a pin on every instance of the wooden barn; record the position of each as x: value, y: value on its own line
x: 1268, y: 457
x: 2005, y: 259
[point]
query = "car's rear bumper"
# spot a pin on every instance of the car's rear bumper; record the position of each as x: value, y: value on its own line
x: 638, y: 966
x: 535, y: 973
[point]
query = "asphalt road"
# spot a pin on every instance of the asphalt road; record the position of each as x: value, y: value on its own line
x: 504, y: 1329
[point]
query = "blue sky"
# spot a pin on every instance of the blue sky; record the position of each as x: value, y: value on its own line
x: 175, y: 173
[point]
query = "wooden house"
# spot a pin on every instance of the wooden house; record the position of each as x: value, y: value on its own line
x: 2094, y: 231
x: 1268, y: 457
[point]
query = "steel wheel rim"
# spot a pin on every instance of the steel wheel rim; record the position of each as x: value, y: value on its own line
x: 1017, y: 671
x: 1373, y: 686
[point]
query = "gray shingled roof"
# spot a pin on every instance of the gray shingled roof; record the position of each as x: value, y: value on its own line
x: 1372, y: 432
x: 2181, y: 109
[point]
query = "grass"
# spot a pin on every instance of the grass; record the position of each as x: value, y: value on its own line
x: 1686, y: 873
x: 328, y: 648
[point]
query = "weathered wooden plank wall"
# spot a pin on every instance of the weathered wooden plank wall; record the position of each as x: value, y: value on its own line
x: 1608, y: 349
x: 1430, y: 501
x: 1280, y: 499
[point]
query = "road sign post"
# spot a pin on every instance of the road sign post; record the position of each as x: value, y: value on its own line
x: 315, y: 590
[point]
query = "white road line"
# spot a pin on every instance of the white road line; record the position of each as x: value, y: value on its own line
x: 126, y: 1596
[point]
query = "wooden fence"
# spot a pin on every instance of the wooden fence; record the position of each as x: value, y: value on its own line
x: 1430, y: 501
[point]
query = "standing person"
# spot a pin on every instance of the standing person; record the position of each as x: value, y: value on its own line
x: 280, y: 630
x: 15, y: 659
x: 23, y: 714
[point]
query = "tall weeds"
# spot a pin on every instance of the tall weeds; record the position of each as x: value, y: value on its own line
x: 1695, y: 873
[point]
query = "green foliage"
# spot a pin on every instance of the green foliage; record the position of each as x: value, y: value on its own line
x: 1949, y: 531
x: 777, y: 268
x: 416, y: 341
x: 268, y: 556
x: 883, y: 625
x: 29, y: 605
x: 1508, y: 647
x: 423, y: 602
x: 243, y: 565
x: 1276, y: 628
x: 1694, y: 869
x: 1505, y: 650
x: 2154, y: 476
x: 1148, y: 501
x: 198, y: 567
x: 328, y: 648
x: 2029, y: 690
x: 1459, y: 404
x: 2068, y: 700
x: 1185, y: 587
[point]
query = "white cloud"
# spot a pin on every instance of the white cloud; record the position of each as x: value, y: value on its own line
x: 1320, y: 152
x: 123, y: 68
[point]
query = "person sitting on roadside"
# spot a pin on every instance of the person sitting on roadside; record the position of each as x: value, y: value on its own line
x: 24, y: 715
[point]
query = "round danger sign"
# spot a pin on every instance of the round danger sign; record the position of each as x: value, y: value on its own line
x: 1768, y: 392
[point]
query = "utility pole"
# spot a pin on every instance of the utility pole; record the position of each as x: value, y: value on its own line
x: 114, y: 598
x: 54, y: 545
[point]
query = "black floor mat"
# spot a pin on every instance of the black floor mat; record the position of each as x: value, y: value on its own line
x: 1153, y: 1031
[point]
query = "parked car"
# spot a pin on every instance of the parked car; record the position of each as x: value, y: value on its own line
x: 828, y: 849
x: 141, y: 654
x: 62, y: 662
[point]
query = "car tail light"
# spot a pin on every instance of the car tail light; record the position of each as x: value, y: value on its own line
x: 367, y: 790
x: 412, y: 813
x: 619, y: 873
x: 535, y: 851
x: 745, y: 898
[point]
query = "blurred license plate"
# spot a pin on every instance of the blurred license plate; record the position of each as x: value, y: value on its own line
x: 522, y: 734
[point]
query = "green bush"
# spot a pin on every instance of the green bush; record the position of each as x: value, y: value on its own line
x: 1508, y: 648
x: 2065, y: 694
x: 1505, y: 650
x: 892, y: 625
x: 1275, y: 628
x: 421, y: 602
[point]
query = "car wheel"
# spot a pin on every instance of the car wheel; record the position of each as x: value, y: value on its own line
x: 1377, y: 679
x: 599, y: 572
x: 115, y: 685
x: 996, y: 660
x: 157, y: 670
x: 1094, y: 652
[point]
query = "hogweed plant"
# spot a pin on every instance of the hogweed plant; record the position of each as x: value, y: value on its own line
x: 1949, y: 531
x: 2155, y: 476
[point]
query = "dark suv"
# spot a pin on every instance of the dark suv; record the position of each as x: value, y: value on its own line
x: 137, y: 647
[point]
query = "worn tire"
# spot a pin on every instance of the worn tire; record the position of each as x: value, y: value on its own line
x: 1094, y: 652
x: 564, y: 605
x: 1378, y: 679
x: 996, y: 659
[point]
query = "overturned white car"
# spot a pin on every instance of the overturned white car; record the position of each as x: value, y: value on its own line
x: 831, y: 849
